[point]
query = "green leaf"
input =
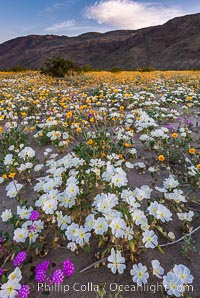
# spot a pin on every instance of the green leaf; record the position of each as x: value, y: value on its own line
x: 160, y: 249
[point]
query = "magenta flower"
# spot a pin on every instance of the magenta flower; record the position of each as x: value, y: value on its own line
x: 68, y: 268
x: 40, y: 275
x: 34, y: 215
x: 24, y: 291
x: 58, y: 276
x: 19, y: 258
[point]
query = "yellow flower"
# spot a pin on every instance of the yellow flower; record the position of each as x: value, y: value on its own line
x: 79, y: 129
x: 161, y: 157
x: 4, y: 176
x: 92, y: 119
x: 1, y: 129
x: 121, y: 108
x: 189, y: 98
x: 192, y: 150
x: 40, y: 134
x: 127, y: 145
x: 89, y: 142
x: 69, y: 114
x: 174, y: 135
x: 12, y: 175
x: 198, y: 166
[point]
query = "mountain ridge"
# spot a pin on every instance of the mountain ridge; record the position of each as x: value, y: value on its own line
x: 173, y: 45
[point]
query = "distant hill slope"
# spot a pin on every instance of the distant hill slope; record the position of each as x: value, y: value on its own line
x: 174, y: 45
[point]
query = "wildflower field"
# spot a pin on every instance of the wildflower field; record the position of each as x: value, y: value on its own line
x: 99, y: 179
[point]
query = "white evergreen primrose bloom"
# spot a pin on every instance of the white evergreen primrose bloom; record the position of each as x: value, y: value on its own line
x: 15, y: 276
x: 100, y: 226
x: 10, y: 289
x: 183, y: 273
x: 157, y: 269
x: 116, y: 262
x: 150, y: 239
x: 8, y: 160
x: 159, y: 211
x: 50, y: 206
x: 13, y: 189
x: 20, y: 235
x: 24, y: 212
x: 139, y: 274
x: 6, y: 215
x: 89, y: 222
x: 173, y: 284
x: 82, y: 236
x: 63, y: 221
x: 72, y: 246
x: 71, y: 231
x: 170, y: 183
x: 118, y: 226
x: 187, y: 216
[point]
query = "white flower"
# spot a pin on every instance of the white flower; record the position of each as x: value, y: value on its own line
x: 72, y: 246
x: 100, y: 226
x: 15, y: 276
x: 159, y: 211
x: 71, y: 231
x: 183, y: 273
x: 6, y: 215
x: 10, y: 289
x: 118, y: 226
x: 89, y: 222
x: 157, y: 269
x: 170, y: 183
x: 72, y: 190
x: 129, y: 165
x: 173, y: 284
x: 140, y: 274
x: 176, y: 195
x: 142, y: 193
x: 23, y: 212
x: 150, y: 239
x: 116, y: 262
x: 13, y: 188
x: 119, y: 179
x: 50, y: 206
x: 38, y: 167
x: 187, y: 216
x: 27, y: 152
x: 20, y: 235
x: 138, y: 217
x: 82, y: 235
x: 63, y: 221
x: 8, y: 160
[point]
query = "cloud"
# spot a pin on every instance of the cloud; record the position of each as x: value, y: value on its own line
x: 61, y: 26
x: 127, y: 14
x: 56, y: 7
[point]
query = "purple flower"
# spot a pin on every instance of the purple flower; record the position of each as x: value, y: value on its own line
x: 1, y: 271
x: 40, y: 271
x: 1, y: 239
x: 44, y: 265
x: 19, y: 258
x: 58, y: 276
x: 24, y: 291
x: 40, y: 275
x: 34, y: 215
x: 169, y: 126
x: 68, y: 268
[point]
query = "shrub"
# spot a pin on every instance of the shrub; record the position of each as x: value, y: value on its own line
x: 59, y: 67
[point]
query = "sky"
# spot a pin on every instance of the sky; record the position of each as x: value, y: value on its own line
x: 74, y: 17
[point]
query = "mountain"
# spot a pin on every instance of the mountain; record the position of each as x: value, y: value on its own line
x: 174, y: 45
